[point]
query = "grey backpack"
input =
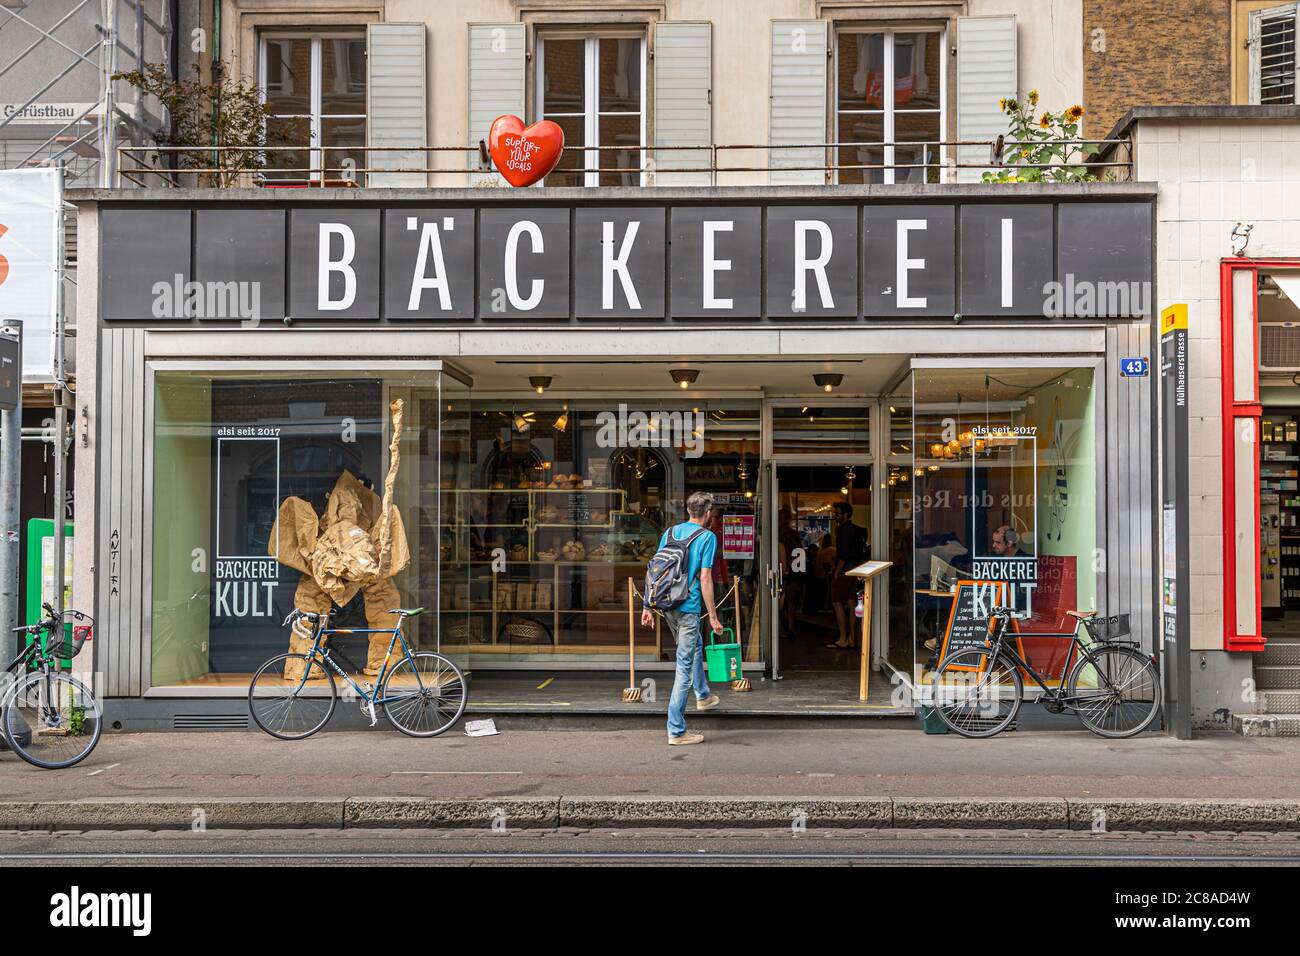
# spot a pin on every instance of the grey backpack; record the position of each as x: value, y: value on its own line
x: 666, y: 582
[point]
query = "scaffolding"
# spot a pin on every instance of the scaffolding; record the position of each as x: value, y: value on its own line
x: 51, y: 49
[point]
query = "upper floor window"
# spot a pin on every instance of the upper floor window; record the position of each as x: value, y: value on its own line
x: 1272, y: 60
x: 315, y: 85
x: 889, y: 105
x: 594, y: 88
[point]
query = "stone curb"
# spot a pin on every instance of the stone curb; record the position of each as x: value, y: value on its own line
x: 648, y: 811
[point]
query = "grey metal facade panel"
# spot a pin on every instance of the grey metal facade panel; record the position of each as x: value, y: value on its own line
x: 121, y: 504
x: 1126, y: 492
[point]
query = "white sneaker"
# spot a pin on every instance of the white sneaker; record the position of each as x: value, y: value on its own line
x: 685, y: 739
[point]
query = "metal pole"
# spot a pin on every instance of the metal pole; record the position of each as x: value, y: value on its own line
x: 107, y: 124
x: 11, y: 443
x: 60, y: 411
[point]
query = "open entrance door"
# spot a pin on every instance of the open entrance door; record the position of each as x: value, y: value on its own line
x: 822, y: 516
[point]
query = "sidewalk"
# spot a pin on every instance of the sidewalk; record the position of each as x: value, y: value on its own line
x: 866, y: 777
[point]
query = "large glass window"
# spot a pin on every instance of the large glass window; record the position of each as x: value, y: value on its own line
x: 565, y: 502
x: 267, y: 494
x: 594, y: 88
x: 1005, y: 476
x: 889, y: 105
x: 315, y: 86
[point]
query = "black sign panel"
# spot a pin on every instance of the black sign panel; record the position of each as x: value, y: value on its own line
x: 909, y: 267
x: 619, y: 257
x: 523, y: 266
x: 1006, y: 259
x: 334, y: 263
x: 11, y: 371
x: 429, y: 263
x: 812, y: 261
x: 764, y: 261
x: 717, y: 262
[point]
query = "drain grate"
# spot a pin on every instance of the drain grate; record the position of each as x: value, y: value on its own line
x: 209, y: 722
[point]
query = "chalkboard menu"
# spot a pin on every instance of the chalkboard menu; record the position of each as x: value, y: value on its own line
x: 968, y: 621
x: 579, y: 508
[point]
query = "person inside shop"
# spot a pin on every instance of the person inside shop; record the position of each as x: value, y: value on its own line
x: 684, y: 620
x: 1007, y: 543
x: 850, y: 551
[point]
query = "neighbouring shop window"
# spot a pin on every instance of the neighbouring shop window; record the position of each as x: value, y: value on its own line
x: 821, y: 430
x: 255, y: 479
x: 594, y: 88
x: 315, y: 86
x: 889, y: 105
x: 1005, y: 481
x: 566, y: 502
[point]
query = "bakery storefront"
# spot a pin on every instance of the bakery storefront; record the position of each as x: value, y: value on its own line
x: 537, y: 382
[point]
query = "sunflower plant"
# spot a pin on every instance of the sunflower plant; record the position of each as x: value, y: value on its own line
x: 1042, y: 146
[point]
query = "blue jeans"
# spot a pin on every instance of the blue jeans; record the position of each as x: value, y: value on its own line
x: 690, y: 668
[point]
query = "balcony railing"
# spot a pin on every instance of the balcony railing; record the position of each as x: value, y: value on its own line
x: 713, y: 165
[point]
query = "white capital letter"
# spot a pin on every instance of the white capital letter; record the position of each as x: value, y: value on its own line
x: 905, y: 265
x: 803, y: 265
x: 1006, y: 263
x: 430, y: 244
x: 512, y: 279
x: 342, y: 265
x: 610, y: 265
x: 712, y: 265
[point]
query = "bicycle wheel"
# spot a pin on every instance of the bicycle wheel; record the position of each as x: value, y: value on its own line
x: 1116, y: 693
x: 288, y: 707
x: 52, y: 720
x: 423, y: 695
x: 974, y: 695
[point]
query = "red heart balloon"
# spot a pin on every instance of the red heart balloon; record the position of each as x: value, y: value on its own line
x: 523, y: 156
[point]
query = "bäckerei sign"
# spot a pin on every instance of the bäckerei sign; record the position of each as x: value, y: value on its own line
x: 322, y: 262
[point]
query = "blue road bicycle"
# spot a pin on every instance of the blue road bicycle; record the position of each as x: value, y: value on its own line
x: 294, y: 695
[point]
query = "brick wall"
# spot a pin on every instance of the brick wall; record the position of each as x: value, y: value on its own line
x: 1153, y: 53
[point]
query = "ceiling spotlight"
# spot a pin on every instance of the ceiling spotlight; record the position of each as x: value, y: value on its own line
x: 540, y: 383
x: 827, y: 380
x: 685, y: 377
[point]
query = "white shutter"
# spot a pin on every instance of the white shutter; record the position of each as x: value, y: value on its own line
x: 1272, y: 55
x: 986, y: 72
x: 797, y: 108
x: 683, y: 85
x: 395, y: 102
x: 496, y: 80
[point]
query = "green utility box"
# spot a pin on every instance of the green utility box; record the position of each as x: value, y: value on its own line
x: 38, y: 583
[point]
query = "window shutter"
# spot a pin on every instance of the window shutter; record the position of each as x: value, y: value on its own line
x: 496, y: 80
x: 683, y: 104
x: 395, y: 97
x: 797, y: 108
x: 1272, y: 55
x: 986, y: 72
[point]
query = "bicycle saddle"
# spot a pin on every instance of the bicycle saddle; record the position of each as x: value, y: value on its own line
x: 407, y: 611
x: 1082, y: 615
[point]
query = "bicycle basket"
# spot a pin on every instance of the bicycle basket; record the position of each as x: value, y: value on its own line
x: 63, y: 648
x: 1108, y: 628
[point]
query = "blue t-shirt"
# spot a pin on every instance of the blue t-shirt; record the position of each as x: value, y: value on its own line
x: 699, y: 555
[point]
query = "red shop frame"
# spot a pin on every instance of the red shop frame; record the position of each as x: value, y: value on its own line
x: 1233, y: 412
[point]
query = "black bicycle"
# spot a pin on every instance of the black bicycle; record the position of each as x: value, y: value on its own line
x: 1111, y: 686
x: 47, y: 716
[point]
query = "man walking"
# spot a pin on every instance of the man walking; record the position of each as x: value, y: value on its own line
x: 684, y: 619
x: 850, y: 551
